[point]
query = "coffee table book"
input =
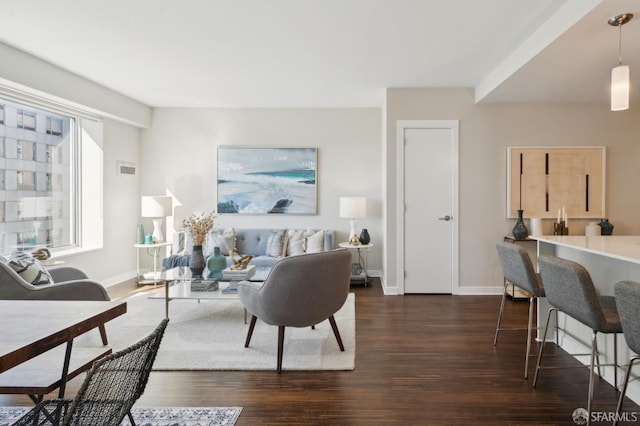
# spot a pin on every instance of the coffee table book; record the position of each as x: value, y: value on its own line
x: 204, y: 285
x: 239, y: 274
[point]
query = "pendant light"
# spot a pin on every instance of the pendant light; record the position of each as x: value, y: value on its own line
x: 620, y: 74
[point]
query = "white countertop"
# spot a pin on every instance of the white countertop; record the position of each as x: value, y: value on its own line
x: 623, y: 247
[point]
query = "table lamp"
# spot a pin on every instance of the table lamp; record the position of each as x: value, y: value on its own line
x: 353, y: 208
x: 156, y: 207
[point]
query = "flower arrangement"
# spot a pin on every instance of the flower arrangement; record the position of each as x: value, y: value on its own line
x: 198, y: 225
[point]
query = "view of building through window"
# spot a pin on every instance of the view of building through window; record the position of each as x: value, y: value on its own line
x: 36, y: 189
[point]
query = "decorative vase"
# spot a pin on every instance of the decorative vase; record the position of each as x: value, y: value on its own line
x: 606, y: 228
x: 364, y: 236
x: 140, y: 239
x: 215, y: 264
x: 592, y: 229
x: 520, y: 231
x: 196, y: 262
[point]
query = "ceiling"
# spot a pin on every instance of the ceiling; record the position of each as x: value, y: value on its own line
x: 329, y: 53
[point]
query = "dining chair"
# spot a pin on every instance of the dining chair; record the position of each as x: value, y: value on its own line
x: 112, y: 385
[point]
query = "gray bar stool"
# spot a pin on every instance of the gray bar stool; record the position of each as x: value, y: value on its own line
x: 569, y: 289
x: 518, y: 270
x: 628, y: 300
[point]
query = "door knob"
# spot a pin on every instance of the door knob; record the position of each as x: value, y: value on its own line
x: 447, y: 218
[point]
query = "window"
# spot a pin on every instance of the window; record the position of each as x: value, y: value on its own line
x: 26, y: 119
x: 54, y: 126
x: 1, y: 114
x: 50, y: 179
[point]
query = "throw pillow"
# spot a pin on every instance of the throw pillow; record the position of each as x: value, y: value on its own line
x: 295, y: 243
x: 276, y: 244
x: 315, y: 241
x: 29, y: 268
x: 223, y: 238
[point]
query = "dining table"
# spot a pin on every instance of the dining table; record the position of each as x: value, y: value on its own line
x: 30, y: 330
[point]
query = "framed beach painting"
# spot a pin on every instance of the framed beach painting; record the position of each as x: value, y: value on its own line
x: 267, y: 180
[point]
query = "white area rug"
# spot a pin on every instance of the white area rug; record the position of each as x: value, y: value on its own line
x: 169, y: 416
x: 210, y: 335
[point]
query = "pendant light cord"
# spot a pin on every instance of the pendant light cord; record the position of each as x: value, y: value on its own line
x: 620, y: 45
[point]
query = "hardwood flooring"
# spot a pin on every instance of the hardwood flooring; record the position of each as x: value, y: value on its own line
x: 420, y: 360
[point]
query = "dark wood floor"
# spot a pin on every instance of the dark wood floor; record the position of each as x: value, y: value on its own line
x: 420, y: 360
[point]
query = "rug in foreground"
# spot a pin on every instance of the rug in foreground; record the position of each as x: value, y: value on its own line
x: 160, y: 416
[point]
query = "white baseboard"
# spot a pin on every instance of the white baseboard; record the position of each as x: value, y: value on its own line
x: 118, y: 279
x: 480, y: 291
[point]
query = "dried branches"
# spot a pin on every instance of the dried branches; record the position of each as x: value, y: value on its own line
x: 198, y: 225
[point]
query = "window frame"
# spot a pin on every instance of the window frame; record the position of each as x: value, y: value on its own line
x: 85, y: 221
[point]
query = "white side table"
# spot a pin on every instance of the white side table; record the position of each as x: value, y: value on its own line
x: 358, y: 277
x: 157, y: 278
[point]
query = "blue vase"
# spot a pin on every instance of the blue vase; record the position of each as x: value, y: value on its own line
x: 215, y: 264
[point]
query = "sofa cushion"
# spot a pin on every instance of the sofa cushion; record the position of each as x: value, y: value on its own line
x: 276, y: 244
x: 295, y: 241
x: 223, y: 238
x: 315, y: 241
x: 29, y: 268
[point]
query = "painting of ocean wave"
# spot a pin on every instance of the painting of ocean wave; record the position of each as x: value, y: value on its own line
x: 267, y: 180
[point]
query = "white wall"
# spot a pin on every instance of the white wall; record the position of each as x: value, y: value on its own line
x: 485, y: 132
x: 178, y: 157
x: 116, y: 261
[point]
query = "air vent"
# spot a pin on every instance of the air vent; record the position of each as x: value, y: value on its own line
x: 126, y: 168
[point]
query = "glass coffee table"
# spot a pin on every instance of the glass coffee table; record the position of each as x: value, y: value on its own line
x: 179, y: 286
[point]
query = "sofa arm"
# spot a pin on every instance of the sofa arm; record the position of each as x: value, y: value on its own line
x: 70, y: 290
x: 66, y: 273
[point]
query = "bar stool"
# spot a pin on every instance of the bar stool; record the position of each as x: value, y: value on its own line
x: 569, y: 289
x: 518, y: 270
x: 627, y: 295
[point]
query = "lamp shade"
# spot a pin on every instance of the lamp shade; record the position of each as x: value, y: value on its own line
x: 353, y: 207
x: 156, y: 206
x: 620, y: 88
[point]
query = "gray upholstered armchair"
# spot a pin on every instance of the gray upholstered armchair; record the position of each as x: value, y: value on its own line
x: 69, y: 284
x: 300, y: 291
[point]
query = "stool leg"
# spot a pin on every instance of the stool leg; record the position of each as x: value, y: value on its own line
x: 526, y: 360
x: 594, y: 350
x: 615, y: 361
x: 544, y: 338
x: 624, y: 389
x: 504, y: 295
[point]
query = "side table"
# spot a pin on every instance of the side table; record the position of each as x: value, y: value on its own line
x: 359, y: 269
x: 156, y: 274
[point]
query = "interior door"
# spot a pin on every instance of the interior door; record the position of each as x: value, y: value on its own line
x: 429, y: 246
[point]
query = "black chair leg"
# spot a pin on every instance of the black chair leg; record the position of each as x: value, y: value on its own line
x: 334, y: 326
x: 252, y: 325
x: 280, y: 346
x: 133, y: 423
